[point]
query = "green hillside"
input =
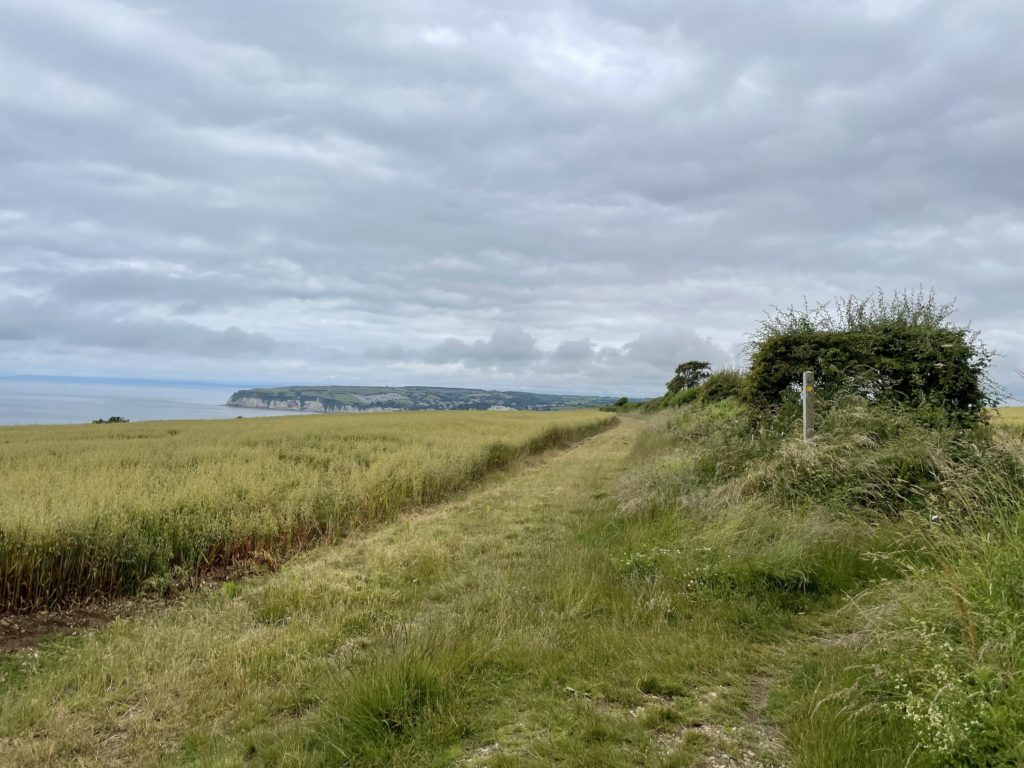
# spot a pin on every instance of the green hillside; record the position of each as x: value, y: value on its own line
x: 330, y: 399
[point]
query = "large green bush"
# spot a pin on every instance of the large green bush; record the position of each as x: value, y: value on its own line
x: 903, y: 347
x: 722, y: 385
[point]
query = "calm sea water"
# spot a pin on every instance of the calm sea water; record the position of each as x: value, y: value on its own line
x: 59, y: 402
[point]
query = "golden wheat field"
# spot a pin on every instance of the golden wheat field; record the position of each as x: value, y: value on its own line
x: 101, y: 509
x: 1013, y: 416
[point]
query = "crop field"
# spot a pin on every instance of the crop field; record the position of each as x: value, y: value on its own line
x: 1013, y: 416
x: 102, y: 509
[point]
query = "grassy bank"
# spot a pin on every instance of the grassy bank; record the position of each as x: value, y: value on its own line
x: 102, y: 509
x: 897, y: 542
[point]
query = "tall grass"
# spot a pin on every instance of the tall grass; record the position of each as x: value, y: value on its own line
x: 940, y: 659
x: 407, y: 696
x: 100, y: 509
x: 909, y: 527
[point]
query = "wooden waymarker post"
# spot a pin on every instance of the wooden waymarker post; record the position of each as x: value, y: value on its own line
x: 807, y: 395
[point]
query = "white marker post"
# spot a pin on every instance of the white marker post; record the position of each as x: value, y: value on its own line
x: 808, y: 397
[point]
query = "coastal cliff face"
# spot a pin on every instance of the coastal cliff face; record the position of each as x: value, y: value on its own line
x: 369, y: 399
x: 277, y: 404
x: 306, y: 406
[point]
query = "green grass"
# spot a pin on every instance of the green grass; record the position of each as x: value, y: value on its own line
x: 101, y: 509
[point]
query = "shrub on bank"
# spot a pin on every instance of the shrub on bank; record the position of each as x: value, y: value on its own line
x: 904, y: 348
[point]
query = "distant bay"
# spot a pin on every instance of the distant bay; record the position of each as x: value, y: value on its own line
x: 52, y: 400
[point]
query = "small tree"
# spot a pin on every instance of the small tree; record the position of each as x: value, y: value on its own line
x: 689, y: 375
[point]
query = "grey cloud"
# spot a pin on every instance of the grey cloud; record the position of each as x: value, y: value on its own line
x: 574, y: 350
x: 507, y: 345
x: 352, y: 178
x: 184, y: 292
x: 23, y: 320
x: 639, y: 366
x: 657, y: 349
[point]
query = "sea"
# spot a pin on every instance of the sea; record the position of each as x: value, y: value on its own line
x: 52, y: 400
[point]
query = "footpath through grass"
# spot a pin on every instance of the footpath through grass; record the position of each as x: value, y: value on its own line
x: 510, y: 628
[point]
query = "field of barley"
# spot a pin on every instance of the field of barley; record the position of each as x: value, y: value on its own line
x: 102, y: 509
x: 1013, y: 416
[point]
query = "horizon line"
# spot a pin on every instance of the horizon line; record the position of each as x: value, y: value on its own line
x: 197, y: 383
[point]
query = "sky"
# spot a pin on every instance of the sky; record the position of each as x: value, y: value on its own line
x: 557, y: 196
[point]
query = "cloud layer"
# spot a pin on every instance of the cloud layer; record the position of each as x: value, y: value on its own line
x: 567, y: 195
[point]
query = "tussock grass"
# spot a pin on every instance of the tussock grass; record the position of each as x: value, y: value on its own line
x: 940, y: 667
x: 405, y: 696
x: 102, y: 510
x: 935, y: 678
x: 755, y: 507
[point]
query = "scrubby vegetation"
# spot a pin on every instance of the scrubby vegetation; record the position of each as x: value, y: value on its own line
x: 92, y: 510
x: 710, y: 387
x: 902, y: 534
x: 904, y: 348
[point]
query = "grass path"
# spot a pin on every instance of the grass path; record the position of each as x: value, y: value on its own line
x: 508, y: 628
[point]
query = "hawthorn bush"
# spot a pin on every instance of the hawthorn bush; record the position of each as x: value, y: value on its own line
x: 904, y: 348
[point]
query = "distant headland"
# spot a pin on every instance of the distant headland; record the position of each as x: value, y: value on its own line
x: 341, y: 399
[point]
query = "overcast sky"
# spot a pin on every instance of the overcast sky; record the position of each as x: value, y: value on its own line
x: 567, y: 196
